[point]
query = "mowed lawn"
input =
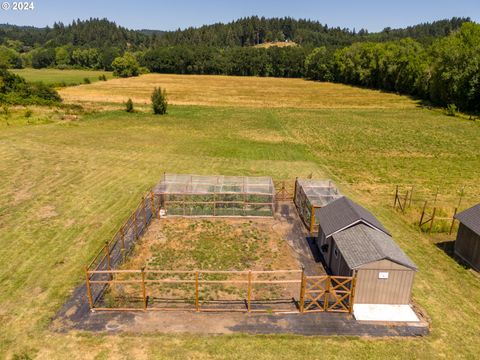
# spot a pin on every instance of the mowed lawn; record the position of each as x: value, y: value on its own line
x: 56, y: 76
x: 66, y: 186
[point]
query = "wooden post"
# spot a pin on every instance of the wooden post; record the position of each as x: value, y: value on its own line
x: 423, y: 214
x: 89, y: 291
x: 197, y: 306
x: 411, y: 195
x: 249, y: 292
x: 302, y: 290
x: 453, y: 221
x: 312, y: 219
x: 327, y: 292
x: 405, y: 202
x: 352, y: 291
x: 432, y: 220
x: 144, y: 291
x: 396, y: 197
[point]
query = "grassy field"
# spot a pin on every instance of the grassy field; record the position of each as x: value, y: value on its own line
x: 67, y: 185
x: 55, y: 76
x: 236, y: 91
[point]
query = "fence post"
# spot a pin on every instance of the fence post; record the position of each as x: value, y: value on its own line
x: 327, y: 292
x: 405, y: 202
x: 89, y: 291
x: 249, y: 292
x: 432, y: 220
x: 423, y: 214
x: 352, y: 291
x: 302, y: 291
x: 396, y: 196
x: 144, y: 291
x: 312, y: 219
x: 453, y: 221
x: 411, y: 195
x: 197, y: 306
x: 144, y: 209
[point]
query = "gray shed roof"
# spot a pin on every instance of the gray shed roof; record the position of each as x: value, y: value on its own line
x: 470, y: 218
x: 362, y: 245
x: 343, y: 213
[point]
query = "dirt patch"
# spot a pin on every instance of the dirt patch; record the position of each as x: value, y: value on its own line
x: 47, y: 212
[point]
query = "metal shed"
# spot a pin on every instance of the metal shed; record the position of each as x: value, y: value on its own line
x: 467, y: 245
x: 353, y: 241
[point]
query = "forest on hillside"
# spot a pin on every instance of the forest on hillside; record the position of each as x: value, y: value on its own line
x: 438, y: 61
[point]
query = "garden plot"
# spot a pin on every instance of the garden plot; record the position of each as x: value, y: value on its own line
x: 217, y: 258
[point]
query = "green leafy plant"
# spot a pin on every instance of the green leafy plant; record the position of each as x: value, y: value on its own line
x: 451, y: 110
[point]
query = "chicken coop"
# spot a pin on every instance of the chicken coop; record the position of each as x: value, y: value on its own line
x: 215, y: 195
x: 310, y: 196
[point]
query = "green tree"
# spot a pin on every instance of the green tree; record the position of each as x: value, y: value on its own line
x: 456, y: 69
x: 125, y: 66
x: 159, y: 101
x: 318, y: 64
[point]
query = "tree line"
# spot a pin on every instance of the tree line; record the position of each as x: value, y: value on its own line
x: 436, y: 62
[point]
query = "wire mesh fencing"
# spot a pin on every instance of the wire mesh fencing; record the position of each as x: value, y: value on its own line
x: 311, y: 195
x: 198, y: 195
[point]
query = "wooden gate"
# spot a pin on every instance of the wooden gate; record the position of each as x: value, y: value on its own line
x: 327, y: 293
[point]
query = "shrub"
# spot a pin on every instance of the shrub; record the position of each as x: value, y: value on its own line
x: 451, y: 110
x: 102, y: 77
x: 125, y: 66
x: 16, y: 90
x: 86, y: 80
x: 159, y: 101
x: 129, y: 106
x: 28, y: 113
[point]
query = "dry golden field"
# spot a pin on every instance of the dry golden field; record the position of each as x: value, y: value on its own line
x: 236, y: 91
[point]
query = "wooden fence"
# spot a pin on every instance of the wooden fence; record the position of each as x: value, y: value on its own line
x: 300, y: 293
x: 110, y: 288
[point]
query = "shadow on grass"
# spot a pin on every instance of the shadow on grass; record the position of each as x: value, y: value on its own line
x: 449, y: 248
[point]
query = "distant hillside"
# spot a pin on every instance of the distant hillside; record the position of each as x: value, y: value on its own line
x: 254, y: 30
x: 250, y: 31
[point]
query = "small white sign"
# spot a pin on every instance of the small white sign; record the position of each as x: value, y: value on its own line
x: 383, y: 275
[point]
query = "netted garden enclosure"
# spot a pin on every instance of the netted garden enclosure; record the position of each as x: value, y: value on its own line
x: 215, y: 195
x: 311, y: 195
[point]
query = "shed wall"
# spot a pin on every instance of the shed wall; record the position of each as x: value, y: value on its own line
x: 467, y: 246
x: 394, y: 290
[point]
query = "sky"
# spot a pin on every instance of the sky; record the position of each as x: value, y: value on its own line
x: 373, y: 15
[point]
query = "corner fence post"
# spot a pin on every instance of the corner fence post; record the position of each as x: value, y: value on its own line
x: 144, y: 291
x: 89, y: 291
x: 352, y: 292
x: 302, y: 290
